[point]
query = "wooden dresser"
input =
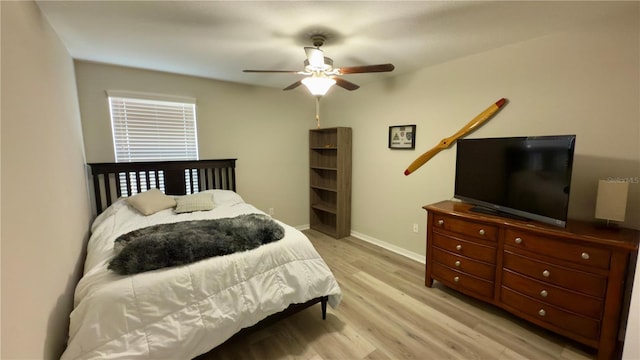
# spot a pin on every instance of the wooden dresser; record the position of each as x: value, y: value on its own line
x: 571, y: 281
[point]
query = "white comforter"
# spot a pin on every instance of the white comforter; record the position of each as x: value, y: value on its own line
x: 182, y: 312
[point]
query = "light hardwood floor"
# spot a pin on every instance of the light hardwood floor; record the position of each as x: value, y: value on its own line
x: 388, y: 313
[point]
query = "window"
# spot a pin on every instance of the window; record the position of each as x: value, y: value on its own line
x: 151, y: 128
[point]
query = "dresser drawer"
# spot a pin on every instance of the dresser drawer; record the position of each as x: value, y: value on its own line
x: 465, y: 248
x: 461, y: 281
x: 575, y: 280
x: 546, y: 313
x: 558, y: 248
x: 551, y: 294
x: 465, y: 227
x: 464, y: 264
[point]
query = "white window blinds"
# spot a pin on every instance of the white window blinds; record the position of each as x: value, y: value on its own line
x: 153, y: 128
x: 147, y: 129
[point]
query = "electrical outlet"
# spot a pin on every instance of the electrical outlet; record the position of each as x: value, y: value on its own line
x: 271, y: 211
x: 415, y: 228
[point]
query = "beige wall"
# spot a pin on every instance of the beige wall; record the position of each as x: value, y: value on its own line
x: 265, y: 129
x: 581, y: 81
x: 45, y: 217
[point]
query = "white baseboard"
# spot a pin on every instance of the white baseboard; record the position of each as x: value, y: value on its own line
x: 383, y: 244
x: 393, y: 248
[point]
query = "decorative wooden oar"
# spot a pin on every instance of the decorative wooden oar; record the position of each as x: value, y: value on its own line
x: 445, y: 143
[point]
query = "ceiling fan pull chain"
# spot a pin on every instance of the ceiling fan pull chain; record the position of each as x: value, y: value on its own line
x: 318, y: 112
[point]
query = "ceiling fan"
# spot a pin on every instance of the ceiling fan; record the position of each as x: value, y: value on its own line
x: 320, y: 73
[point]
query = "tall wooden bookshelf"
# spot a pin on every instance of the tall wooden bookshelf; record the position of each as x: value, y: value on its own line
x: 330, y: 180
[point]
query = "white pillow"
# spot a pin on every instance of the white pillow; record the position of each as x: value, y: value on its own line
x: 195, y: 202
x: 151, y: 201
x: 226, y: 197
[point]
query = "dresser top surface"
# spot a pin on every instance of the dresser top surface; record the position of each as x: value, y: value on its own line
x: 584, y: 230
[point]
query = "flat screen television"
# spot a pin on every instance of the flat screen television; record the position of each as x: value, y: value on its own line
x: 525, y: 177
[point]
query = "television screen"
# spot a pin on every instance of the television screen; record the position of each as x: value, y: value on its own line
x: 526, y: 177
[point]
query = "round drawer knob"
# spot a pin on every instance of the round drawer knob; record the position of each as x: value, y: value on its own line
x: 457, y: 263
x: 544, y: 293
x: 541, y: 312
x: 458, y: 247
x: 518, y: 240
x: 585, y: 256
x: 440, y: 222
x: 546, y: 273
x: 481, y: 232
x: 456, y: 279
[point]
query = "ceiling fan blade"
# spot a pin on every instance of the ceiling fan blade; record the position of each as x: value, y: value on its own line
x: 315, y: 57
x: 366, y: 69
x: 271, y: 71
x: 345, y: 84
x: 294, y: 85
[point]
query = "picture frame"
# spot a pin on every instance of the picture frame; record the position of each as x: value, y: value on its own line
x: 402, y: 137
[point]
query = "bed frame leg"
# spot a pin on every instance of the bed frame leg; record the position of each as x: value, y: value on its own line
x: 323, y: 303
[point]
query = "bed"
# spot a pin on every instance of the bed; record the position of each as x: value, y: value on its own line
x: 183, y: 311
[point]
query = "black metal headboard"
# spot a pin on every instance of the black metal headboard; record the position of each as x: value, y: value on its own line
x: 113, y: 180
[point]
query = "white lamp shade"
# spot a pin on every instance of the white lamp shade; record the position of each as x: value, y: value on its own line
x: 318, y: 85
x: 611, y: 203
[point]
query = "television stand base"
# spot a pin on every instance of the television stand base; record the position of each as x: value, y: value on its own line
x: 489, y: 211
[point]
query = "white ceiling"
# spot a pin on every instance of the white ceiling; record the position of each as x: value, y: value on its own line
x: 218, y: 39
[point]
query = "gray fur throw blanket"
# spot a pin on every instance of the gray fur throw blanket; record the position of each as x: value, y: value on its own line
x: 180, y: 243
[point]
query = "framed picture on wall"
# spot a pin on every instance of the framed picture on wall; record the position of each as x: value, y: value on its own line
x: 402, y: 137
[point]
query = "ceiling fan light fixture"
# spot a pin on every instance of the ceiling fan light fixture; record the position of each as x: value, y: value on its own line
x: 318, y: 85
x: 320, y: 73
